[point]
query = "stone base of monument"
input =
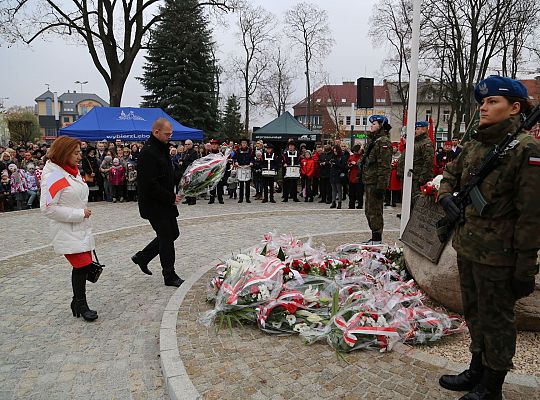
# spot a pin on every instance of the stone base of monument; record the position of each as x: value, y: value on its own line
x: 441, y: 283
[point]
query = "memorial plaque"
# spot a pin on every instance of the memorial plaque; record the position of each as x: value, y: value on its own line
x: 421, y: 230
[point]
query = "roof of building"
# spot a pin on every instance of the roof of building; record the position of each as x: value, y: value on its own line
x: 47, y: 95
x: 284, y: 124
x: 344, y: 95
x: 533, y: 87
x: 76, y: 98
x: 428, y: 91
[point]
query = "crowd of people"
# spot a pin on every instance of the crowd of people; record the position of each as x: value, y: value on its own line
x: 328, y: 173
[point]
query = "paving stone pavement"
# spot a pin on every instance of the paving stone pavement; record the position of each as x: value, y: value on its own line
x: 45, y: 353
x: 256, y: 365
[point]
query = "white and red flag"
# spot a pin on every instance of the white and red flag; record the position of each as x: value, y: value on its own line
x: 56, y: 182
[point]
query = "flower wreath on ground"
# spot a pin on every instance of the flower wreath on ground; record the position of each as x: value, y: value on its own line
x: 356, y: 297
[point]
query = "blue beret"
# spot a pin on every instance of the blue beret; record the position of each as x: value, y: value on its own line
x: 421, y: 124
x: 381, y: 119
x: 495, y: 85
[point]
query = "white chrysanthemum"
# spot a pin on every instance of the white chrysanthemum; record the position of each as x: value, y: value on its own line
x: 301, y: 328
x: 437, y: 182
x: 291, y: 319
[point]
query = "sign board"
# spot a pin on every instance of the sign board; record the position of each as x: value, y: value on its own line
x: 421, y: 233
x: 360, y: 135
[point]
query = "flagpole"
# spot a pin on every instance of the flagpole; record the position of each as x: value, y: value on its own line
x: 411, y: 117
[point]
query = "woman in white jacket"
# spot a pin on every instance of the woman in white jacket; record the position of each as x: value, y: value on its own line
x: 64, y: 200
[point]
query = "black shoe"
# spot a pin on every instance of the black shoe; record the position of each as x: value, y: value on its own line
x: 296, y: 200
x: 359, y: 207
x: 333, y: 205
x: 339, y: 205
x: 142, y: 266
x: 241, y: 201
x: 211, y: 201
x: 489, y: 388
x: 221, y: 202
x: 468, y: 379
x: 80, y: 308
x: 174, y: 282
x: 248, y: 201
x: 284, y: 201
x: 387, y: 204
x: 398, y: 215
x: 272, y: 201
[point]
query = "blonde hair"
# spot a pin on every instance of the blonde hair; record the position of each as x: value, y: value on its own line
x: 62, y: 148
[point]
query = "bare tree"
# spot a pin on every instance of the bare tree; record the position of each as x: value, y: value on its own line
x: 256, y: 26
x: 277, y: 87
x: 394, y: 22
x: 516, y: 33
x: 307, y: 25
x: 118, y: 30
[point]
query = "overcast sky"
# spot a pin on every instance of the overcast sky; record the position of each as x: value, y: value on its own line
x: 24, y: 71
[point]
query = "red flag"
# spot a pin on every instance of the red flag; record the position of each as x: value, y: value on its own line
x: 55, y: 183
x: 431, y: 131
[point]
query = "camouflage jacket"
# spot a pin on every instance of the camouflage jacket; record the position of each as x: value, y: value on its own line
x: 506, y: 234
x: 422, y: 161
x: 377, y: 166
x: 424, y: 154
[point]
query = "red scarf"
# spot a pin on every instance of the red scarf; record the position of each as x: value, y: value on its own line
x: 71, y: 170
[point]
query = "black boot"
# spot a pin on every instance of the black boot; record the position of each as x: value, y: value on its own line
x: 333, y: 205
x: 78, y: 305
x: 339, y: 205
x: 489, y: 388
x: 466, y: 380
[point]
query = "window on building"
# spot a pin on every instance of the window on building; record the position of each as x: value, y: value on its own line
x: 428, y: 114
x: 446, y: 116
x: 50, y: 132
x: 341, y: 120
x: 379, y: 100
x: 83, y: 110
x: 343, y: 100
x: 357, y: 122
x: 315, y: 120
x: 66, y: 119
x: 48, y: 106
x: 364, y: 121
x: 347, y: 120
x: 318, y: 100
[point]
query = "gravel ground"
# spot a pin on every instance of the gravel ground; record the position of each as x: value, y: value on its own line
x: 456, y: 348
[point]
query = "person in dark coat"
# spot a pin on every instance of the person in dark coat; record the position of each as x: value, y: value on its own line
x: 190, y: 155
x: 324, y: 175
x: 157, y: 201
x: 338, y: 169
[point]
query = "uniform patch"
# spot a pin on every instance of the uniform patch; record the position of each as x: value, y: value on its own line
x: 385, y: 147
x: 534, y: 161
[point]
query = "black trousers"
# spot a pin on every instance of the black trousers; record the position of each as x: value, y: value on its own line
x: 268, y: 185
x: 217, y: 191
x: 325, y: 189
x: 244, y: 188
x: 166, y: 233
x: 356, y: 194
x: 289, y: 188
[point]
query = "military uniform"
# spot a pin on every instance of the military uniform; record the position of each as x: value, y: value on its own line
x: 501, y: 244
x: 423, y: 162
x: 376, y: 169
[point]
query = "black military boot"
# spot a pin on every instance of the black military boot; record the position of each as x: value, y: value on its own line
x: 466, y: 380
x: 489, y: 388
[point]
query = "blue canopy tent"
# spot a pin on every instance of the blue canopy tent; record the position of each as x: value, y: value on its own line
x: 126, y: 123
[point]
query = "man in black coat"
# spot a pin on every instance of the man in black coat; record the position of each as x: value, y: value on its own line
x: 157, y: 201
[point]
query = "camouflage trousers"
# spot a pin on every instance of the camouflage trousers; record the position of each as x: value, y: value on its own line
x: 488, y: 306
x: 374, y: 209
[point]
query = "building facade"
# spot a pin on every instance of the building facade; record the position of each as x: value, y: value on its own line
x: 55, y: 114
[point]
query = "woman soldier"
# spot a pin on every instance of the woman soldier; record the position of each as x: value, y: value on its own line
x: 64, y: 199
x: 496, y: 249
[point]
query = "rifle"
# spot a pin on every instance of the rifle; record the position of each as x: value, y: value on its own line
x: 470, y: 193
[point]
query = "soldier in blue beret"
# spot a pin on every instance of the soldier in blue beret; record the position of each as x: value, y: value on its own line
x: 497, y: 246
x: 421, y: 124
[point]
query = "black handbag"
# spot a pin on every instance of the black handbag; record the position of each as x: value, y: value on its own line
x: 95, y: 270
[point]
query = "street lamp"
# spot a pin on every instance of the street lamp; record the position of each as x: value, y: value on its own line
x: 81, y: 83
